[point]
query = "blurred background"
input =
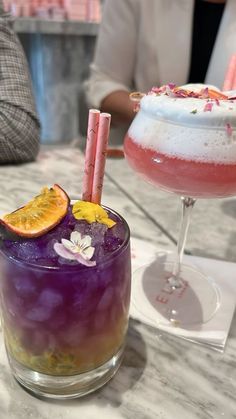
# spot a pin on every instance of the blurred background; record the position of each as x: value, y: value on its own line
x: 58, y: 37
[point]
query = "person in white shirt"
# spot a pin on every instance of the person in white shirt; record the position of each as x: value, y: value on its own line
x: 149, y: 43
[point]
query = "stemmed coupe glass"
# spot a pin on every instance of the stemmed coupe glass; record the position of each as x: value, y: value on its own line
x: 182, y: 140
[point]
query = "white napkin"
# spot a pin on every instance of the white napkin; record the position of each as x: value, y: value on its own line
x: 214, y: 332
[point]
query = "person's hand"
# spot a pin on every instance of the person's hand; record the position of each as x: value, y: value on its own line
x: 119, y: 105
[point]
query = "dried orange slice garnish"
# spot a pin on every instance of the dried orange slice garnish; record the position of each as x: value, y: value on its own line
x: 39, y: 215
x: 213, y: 94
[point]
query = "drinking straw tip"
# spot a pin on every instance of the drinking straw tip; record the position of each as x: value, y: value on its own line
x: 230, y: 76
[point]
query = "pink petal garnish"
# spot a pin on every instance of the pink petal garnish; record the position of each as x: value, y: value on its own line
x: 171, y: 85
x: 229, y: 129
x: 63, y: 252
x: 181, y: 93
x: 208, y: 107
x: 83, y: 261
x: 204, y: 93
x: 156, y: 89
x: 172, y: 90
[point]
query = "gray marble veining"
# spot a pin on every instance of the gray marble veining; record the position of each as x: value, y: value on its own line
x: 161, y: 376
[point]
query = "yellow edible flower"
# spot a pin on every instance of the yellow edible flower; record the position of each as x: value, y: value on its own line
x: 92, y: 213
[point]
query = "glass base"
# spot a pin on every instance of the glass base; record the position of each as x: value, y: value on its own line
x: 193, y: 303
x: 65, y: 387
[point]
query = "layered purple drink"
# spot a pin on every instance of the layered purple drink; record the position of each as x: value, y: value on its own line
x: 61, y: 317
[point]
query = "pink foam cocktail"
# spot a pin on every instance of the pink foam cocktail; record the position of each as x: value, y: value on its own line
x: 183, y: 140
x: 185, y: 145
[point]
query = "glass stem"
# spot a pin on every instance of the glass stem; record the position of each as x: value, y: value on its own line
x: 187, y: 206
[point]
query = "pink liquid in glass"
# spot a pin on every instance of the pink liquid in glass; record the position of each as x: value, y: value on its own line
x: 182, y: 176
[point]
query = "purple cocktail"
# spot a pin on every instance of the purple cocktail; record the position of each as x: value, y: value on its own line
x: 65, y: 323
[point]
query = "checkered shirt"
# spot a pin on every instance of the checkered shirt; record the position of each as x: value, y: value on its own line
x: 19, y: 126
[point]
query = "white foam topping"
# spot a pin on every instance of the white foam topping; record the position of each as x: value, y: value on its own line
x: 182, y: 127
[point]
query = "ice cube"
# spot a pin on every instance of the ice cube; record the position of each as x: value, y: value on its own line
x: 39, y: 313
x: 112, y: 243
x: 75, y: 334
x: 106, y: 299
x: 24, y: 287
x: 24, y: 323
x: 49, y: 251
x: 100, y: 321
x: 59, y: 233
x: 34, y: 340
x: 39, y: 341
x: 84, y: 303
x: 118, y: 310
x: 82, y: 227
x: 50, y: 298
x: 14, y: 305
x: 97, y: 231
x: 98, y: 253
x: 28, y: 251
x: 59, y: 321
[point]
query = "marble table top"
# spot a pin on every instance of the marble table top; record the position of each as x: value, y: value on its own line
x: 161, y: 376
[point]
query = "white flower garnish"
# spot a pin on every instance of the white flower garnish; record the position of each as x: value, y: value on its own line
x: 77, y: 248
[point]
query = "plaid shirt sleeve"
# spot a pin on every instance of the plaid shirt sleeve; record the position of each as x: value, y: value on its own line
x: 19, y: 125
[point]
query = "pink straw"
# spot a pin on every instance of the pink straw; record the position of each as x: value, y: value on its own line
x: 92, y: 134
x: 230, y: 77
x: 100, y: 158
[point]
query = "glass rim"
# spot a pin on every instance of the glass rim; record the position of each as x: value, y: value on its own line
x: 73, y: 268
